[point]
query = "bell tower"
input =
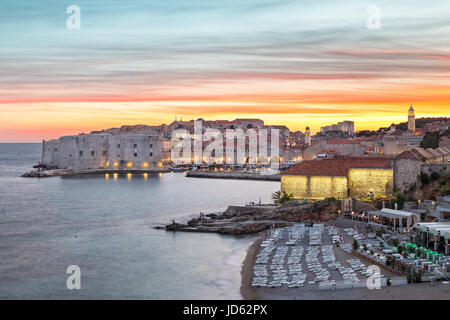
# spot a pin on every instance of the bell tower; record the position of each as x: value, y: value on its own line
x: 411, y: 120
x: 308, y: 136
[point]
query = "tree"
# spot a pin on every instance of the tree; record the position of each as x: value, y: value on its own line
x: 434, y: 176
x: 286, y: 197
x: 355, y: 244
x: 276, y: 197
x: 431, y: 140
x: 280, y: 197
x: 398, y: 198
x: 424, y: 178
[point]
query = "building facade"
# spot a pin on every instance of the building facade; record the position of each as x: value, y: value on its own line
x: 132, y: 151
x: 340, y: 178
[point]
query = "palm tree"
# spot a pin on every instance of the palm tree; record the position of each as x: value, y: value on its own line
x: 282, y: 197
x: 286, y: 197
x: 276, y: 197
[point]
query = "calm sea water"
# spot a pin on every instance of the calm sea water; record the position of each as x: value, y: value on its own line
x: 105, y: 226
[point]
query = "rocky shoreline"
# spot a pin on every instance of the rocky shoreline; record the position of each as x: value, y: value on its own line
x: 237, y: 220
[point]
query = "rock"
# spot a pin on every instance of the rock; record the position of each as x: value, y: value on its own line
x: 238, y: 220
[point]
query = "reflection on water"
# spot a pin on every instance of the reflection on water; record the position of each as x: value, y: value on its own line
x: 104, y: 224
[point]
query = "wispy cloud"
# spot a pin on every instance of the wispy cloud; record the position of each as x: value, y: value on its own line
x: 203, y: 57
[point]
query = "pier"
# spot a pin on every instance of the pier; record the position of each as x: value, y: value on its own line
x: 233, y: 175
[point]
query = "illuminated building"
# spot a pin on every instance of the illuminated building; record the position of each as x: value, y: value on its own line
x: 106, y: 150
x: 308, y: 136
x: 340, y: 178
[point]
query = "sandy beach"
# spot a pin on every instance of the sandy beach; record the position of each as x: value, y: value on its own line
x: 247, y: 291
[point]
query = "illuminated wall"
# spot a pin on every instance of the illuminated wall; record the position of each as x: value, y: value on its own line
x: 315, y: 187
x: 362, y: 181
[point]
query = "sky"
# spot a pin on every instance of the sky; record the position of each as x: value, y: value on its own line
x: 293, y: 62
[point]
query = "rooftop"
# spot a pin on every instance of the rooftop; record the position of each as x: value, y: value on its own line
x: 343, y: 141
x: 337, y: 166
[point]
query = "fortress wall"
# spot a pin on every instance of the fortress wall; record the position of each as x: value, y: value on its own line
x: 315, y: 187
x: 363, y: 181
x: 84, y: 151
x: 442, y: 169
x: 50, y: 153
x: 406, y: 172
x: 135, y: 151
x: 101, y: 151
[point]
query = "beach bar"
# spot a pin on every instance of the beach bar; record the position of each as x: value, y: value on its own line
x: 395, y: 218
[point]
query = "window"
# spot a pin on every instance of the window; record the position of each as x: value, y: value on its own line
x: 135, y: 146
x: 118, y: 145
x: 92, y: 153
x: 81, y: 153
x: 151, y: 154
x: 135, y: 154
x: 103, y: 153
x: 151, y: 145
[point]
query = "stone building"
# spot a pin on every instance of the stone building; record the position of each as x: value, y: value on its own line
x: 345, y: 147
x: 407, y: 168
x: 132, y: 151
x: 344, y: 177
x: 339, y: 178
x: 399, y: 141
x: 345, y: 126
x: 411, y: 120
x: 308, y: 136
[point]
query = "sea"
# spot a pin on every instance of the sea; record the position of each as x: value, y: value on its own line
x: 105, y: 226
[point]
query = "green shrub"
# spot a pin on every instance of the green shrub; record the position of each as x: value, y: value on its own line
x: 434, y: 176
x: 424, y: 178
x: 355, y: 244
x: 398, y: 198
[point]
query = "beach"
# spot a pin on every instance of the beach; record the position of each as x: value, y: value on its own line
x: 420, y: 291
x: 247, y: 291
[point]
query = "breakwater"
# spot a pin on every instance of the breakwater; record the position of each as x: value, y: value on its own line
x: 64, y: 172
x: 233, y: 175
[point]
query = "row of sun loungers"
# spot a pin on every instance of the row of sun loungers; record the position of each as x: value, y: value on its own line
x: 280, y: 260
x: 314, y: 265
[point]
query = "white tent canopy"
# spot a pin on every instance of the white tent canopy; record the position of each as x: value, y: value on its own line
x: 411, y: 217
x: 436, y: 228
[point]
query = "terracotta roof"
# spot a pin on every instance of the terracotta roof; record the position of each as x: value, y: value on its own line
x: 328, y: 151
x: 343, y: 141
x: 247, y: 120
x: 431, y: 153
x: 410, y: 154
x: 337, y: 166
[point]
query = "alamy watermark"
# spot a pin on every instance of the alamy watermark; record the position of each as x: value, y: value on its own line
x: 373, y: 17
x: 233, y: 147
x: 374, y: 281
x: 74, y: 280
x: 73, y: 22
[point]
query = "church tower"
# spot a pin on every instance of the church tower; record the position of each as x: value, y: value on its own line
x: 308, y: 136
x: 411, y: 120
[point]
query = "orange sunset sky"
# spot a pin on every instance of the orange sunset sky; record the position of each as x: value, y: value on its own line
x: 295, y: 63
